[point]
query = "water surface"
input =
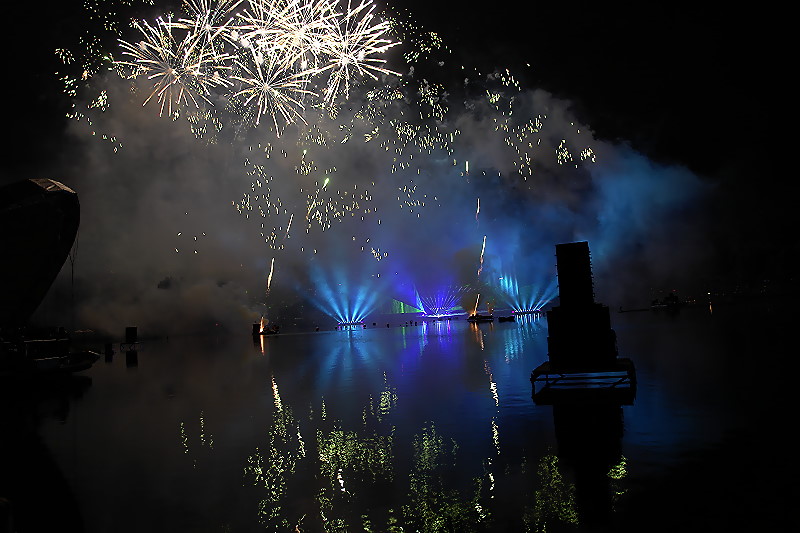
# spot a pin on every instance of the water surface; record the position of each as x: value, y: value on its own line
x: 429, y: 427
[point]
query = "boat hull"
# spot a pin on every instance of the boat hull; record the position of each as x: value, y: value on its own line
x: 38, y: 223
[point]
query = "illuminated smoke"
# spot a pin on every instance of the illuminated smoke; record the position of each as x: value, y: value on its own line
x: 387, y: 178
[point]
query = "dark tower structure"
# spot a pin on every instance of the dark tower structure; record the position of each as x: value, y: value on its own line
x: 580, y: 334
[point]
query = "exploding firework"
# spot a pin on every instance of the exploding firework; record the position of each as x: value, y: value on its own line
x: 298, y: 29
x: 272, y: 90
x: 181, y: 69
x: 267, y: 55
x: 210, y: 22
x: 354, y: 50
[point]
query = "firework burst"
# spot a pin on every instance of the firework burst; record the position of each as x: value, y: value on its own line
x: 273, y: 90
x: 178, y: 67
x: 354, y: 49
x: 306, y: 33
x: 266, y: 54
x: 210, y: 21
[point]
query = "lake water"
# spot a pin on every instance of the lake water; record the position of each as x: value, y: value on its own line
x: 429, y: 427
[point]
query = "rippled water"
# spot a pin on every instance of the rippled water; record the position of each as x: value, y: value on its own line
x: 429, y: 427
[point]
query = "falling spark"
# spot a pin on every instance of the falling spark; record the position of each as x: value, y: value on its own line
x: 269, y: 278
x: 289, y: 226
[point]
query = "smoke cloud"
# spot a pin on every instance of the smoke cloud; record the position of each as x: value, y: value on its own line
x: 182, y: 219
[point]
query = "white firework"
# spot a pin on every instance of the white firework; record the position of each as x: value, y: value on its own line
x: 210, y: 20
x: 352, y: 50
x: 307, y: 31
x: 173, y: 65
x: 271, y: 50
x: 260, y: 25
x: 272, y: 89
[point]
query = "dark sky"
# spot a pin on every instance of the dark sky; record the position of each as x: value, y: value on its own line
x: 680, y: 79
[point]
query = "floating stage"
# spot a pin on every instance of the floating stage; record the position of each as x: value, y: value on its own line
x: 351, y: 325
x: 450, y: 316
x: 614, y: 382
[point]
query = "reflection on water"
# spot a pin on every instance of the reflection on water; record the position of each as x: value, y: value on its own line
x: 589, y: 442
x: 29, y: 474
x: 316, y: 471
x: 427, y: 427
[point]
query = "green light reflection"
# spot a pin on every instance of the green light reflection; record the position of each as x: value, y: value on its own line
x: 433, y: 507
x: 554, y: 502
x: 356, y: 479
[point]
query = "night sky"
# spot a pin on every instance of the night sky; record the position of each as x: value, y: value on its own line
x: 695, y: 93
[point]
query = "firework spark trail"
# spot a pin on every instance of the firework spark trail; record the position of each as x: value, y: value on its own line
x: 483, y: 248
x: 269, y: 277
x: 289, y: 225
x: 313, y: 203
